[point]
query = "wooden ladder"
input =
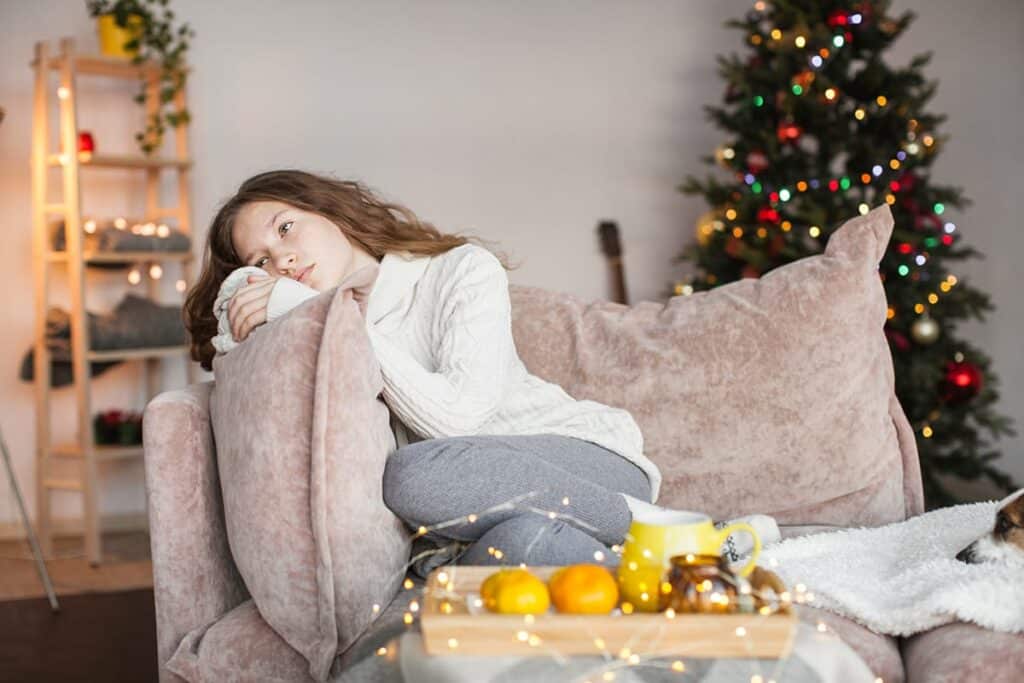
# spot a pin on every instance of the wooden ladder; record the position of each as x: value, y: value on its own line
x: 74, y: 466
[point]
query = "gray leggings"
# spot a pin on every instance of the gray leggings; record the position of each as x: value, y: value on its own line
x: 437, y: 480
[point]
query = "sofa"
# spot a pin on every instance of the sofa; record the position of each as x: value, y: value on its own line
x: 203, y: 607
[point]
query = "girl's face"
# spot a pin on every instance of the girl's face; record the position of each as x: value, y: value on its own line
x: 289, y: 242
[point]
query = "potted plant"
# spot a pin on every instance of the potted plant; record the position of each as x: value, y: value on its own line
x: 147, y: 34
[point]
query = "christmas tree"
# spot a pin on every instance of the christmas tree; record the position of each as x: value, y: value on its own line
x: 818, y: 129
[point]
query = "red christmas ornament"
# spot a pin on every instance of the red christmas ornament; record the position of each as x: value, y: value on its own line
x: 734, y: 247
x: 923, y: 217
x: 767, y: 214
x: 897, y: 340
x: 757, y: 161
x: 867, y: 12
x: 907, y: 181
x: 776, y: 245
x: 788, y: 131
x: 85, y: 142
x: 963, y: 381
x: 750, y: 271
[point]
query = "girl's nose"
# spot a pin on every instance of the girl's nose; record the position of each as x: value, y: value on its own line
x: 285, y: 262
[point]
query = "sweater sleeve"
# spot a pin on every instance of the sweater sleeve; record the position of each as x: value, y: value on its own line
x: 285, y: 295
x: 472, y: 362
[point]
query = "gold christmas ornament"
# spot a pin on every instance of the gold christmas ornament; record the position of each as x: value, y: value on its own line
x: 925, y: 330
x: 724, y: 154
x: 707, y: 224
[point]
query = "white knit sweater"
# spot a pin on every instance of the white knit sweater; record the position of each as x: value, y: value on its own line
x: 441, y: 329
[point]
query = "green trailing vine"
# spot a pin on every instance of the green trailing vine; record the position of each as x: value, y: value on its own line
x: 156, y: 40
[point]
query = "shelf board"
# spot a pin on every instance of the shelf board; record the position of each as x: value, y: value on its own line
x: 122, y: 161
x: 122, y: 256
x: 101, y: 65
x: 103, y: 452
x: 134, y: 354
x: 63, y: 484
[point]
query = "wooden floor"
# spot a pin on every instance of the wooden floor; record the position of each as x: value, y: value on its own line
x: 126, y: 565
x: 94, y: 637
x: 105, y: 629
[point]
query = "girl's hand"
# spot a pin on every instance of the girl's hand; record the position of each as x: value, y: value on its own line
x: 248, y: 307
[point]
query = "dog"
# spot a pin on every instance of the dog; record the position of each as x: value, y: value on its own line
x: 1005, y: 543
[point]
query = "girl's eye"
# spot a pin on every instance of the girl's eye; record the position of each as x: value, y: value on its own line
x: 281, y: 231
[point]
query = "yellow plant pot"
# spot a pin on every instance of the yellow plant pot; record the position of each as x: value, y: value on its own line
x: 114, y: 37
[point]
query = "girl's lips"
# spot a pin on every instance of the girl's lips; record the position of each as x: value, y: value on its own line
x: 304, y: 273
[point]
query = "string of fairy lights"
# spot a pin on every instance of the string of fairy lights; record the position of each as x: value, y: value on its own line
x: 148, y: 229
x: 450, y: 600
x: 614, y: 661
x: 886, y: 178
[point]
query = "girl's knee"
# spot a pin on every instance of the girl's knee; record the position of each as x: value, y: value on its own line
x: 398, y: 473
x: 416, y: 478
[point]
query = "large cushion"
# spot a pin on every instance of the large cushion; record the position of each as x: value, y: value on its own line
x: 302, y: 438
x: 772, y: 395
x: 964, y: 652
x: 240, y: 646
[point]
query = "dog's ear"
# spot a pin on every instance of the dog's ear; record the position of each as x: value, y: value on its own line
x: 1014, y: 513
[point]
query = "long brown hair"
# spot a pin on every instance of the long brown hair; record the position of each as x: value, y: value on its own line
x: 365, y: 219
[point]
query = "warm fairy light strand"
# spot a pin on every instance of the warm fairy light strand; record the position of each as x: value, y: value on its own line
x: 148, y: 229
x: 772, y: 603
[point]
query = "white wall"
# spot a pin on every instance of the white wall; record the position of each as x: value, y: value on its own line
x: 524, y: 123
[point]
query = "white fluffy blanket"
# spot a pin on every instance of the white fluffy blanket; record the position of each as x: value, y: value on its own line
x: 903, y: 578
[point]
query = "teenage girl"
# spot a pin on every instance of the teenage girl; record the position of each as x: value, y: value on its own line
x: 474, y: 428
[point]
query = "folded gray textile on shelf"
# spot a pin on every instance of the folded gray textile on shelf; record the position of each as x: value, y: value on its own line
x: 136, y: 322
x: 113, y: 239
x: 110, y: 238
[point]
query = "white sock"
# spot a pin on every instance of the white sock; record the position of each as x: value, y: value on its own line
x: 740, y: 544
x: 641, y: 508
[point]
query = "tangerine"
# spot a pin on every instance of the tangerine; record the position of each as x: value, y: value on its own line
x: 584, y: 589
x: 514, y: 591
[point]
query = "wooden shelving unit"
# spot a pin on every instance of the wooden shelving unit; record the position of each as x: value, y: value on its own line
x: 74, y: 466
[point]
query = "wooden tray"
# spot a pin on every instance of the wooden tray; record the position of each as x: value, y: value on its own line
x: 453, y: 621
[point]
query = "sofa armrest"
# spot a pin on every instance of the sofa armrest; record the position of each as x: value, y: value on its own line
x: 195, y: 581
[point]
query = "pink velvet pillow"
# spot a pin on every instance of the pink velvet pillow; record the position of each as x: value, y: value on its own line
x: 771, y: 395
x: 301, y: 441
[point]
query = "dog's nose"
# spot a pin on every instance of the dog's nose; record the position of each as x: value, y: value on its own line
x: 966, y: 555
